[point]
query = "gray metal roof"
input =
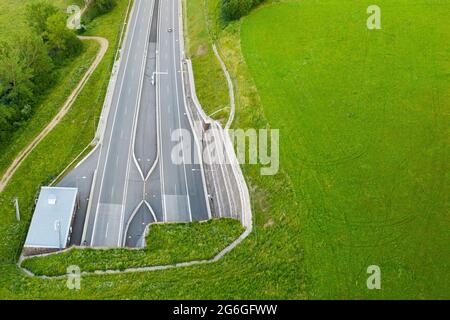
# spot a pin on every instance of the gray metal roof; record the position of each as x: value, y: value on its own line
x: 52, y: 218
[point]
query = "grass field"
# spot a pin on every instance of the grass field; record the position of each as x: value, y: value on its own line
x: 268, y: 264
x: 364, y: 119
x: 166, y: 244
x: 66, y: 78
x: 12, y: 15
x: 67, y: 140
x: 362, y: 186
x: 210, y: 81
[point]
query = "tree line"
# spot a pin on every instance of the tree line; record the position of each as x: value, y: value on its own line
x: 235, y: 9
x: 28, y: 63
x: 96, y: 8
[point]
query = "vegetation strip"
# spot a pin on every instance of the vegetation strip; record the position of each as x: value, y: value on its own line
x: 168, y: 246
x: 267, y: 265
x: 62, y: 112
x: 363, y: 118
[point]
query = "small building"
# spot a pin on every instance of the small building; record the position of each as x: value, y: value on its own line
x: 51, y: 225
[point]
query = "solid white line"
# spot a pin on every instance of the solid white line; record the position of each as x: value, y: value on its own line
x: 134, y: 126
x: 141, y: 82
x: 187, y: 113
x: 218, y: 191
x: 151, y: 210
x: 114, y: 122
x: 88, y: 210
x: 179, y: 116
x: 222, y: 145
x: 158, y: 103
x: 196, y: 139
x: 124, y: 236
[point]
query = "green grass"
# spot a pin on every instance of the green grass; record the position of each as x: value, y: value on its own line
x: 166, y: 244
x: 66, y: 78
x: 365, y: 183
x: 212, y: 90
x: 63, y: 144
x: 267, y: 264
x: 13, y: 19
x: 364, y: 138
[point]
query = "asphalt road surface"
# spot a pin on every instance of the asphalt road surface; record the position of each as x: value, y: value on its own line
x: 183, y: 196
x: 131, y: 178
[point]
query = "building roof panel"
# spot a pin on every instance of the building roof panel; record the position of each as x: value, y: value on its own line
x: 52, y: 218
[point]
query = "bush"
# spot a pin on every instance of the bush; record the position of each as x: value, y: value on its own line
x: 61, y: 42
x: 37, y: 14
x: 103, y: 6
x: 235, y: 9
x: 25, y: 71
x: 98, y: 7
x: 6, y: 116
x: 27, y: 63
x: 50, y: 23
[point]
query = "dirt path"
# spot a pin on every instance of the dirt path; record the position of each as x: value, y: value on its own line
x: 61, y: 113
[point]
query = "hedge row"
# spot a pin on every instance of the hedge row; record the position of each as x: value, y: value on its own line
x: 235, y: 9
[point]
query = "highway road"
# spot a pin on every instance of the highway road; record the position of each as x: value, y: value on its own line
x: 181, y: 184
x: 130, y: 180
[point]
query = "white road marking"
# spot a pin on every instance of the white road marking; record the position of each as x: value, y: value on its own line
x: 133, y: 130
x: 158, y: 94
x: 114, y: 123
x: 179, y: 118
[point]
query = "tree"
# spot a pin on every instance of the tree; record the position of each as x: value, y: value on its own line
x: 50, y: 23
x: 103, y: 6
x: 37, y: 13
x: 25, y: 70
x: 5, y: 123
x: 61, y: 41
x: 235, y: 9
x: 34, y: 54
x: 16, y: 85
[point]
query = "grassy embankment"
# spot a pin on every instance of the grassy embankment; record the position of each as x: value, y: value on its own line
x: 210, y: 81
x: 364, y: 119
x: 67, y: 140
x: 66, y: 78
x: 366, y: 160
x: 166, y: 244
x: 268, y: 264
